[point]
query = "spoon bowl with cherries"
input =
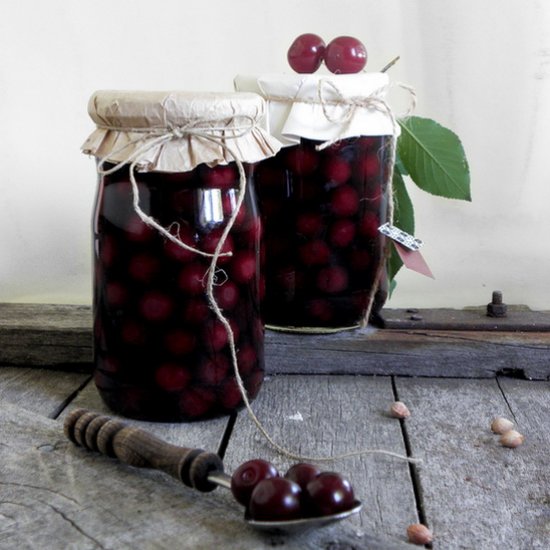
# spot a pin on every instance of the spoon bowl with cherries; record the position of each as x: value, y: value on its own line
x: 304, y: 498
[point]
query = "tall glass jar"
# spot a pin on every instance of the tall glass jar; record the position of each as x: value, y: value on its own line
x: 161, y: 351
x: 323, y: 198
x: 321, y: 213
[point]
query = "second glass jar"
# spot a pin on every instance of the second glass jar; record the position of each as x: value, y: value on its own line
x: 321, y: 211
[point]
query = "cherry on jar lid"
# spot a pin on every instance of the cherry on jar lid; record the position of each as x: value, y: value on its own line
x: 176, y: 131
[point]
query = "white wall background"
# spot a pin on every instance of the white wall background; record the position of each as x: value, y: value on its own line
x: 479, y: 67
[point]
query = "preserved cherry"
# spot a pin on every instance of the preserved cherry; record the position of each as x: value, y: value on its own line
x: 321, y: 211
x: 160, y: 351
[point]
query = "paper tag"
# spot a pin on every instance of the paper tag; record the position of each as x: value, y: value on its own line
x: 413, y: 260
x: 400, y: 236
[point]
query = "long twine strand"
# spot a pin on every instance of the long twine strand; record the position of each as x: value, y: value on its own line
x: 134, y: 159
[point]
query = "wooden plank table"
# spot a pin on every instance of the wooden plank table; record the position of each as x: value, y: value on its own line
x: 472, y: 492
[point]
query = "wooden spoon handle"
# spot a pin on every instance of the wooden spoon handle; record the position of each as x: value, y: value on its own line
x: 139, y: 448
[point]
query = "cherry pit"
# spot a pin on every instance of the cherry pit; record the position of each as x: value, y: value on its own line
x: 303, y: 491
x: 342, y: 55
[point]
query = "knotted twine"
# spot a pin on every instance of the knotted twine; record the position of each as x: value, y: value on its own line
x: 154, y: 138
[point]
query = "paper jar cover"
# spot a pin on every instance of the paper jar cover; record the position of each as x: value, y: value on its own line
x: 210, y: 128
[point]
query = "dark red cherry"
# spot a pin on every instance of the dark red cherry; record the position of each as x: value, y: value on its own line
x: 156, y: 306
x: 302, y: 473
x: 329, y: 493
x: 248, y: 475
x: 332, y: 279
x: 305, y: 54
x: 172, y: 377
x: 276, y: 499
x: 344, y: 201
x: 345, y: 55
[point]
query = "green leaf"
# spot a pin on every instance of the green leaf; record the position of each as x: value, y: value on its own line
x: 434, y: 158
x: 403, y: 218
x: 400, y: 166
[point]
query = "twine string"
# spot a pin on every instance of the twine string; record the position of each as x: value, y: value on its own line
x: 156, y: 138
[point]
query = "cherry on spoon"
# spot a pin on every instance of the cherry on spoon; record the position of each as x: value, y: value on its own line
x: 196, y: 468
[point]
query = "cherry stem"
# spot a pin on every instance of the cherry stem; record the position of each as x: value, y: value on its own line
x: 390, y: 64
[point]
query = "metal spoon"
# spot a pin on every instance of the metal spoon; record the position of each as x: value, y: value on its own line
x: 196, y: 468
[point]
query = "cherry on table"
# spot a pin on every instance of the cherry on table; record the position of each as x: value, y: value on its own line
x: 275, y: 499
x: 328, y: 493
x: 345, y: 55
x: 247, y: 476
x: 305, y: 54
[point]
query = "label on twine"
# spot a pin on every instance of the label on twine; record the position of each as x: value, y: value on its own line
x: 400, y: 236
x: 408, y: 248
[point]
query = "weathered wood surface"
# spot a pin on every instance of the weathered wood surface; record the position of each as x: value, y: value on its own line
x: 324, y: 416
x: 476, y: 493
x: 45, y: 335
x: 411, y: 353
x: 60, y: 337
x: 518, y: 319
x: 42, y: 391
x: 471, y: 491
x: 55, y: 495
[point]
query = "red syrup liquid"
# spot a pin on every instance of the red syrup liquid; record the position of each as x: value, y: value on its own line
x: 160, y: 352
x: 321, y: 211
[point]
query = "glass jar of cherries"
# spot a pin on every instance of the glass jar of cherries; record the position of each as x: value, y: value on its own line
x: 324, y: 196
x: 176, y: 252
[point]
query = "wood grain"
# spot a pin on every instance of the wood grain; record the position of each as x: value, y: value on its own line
x: 61, y: 336
x: 55, y: 495
x: 41, y: 391
x: 476, y: 493
x: 329, y: 415
x: 411, y: 353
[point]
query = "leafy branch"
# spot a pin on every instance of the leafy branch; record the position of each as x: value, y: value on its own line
x: 432, y: 156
